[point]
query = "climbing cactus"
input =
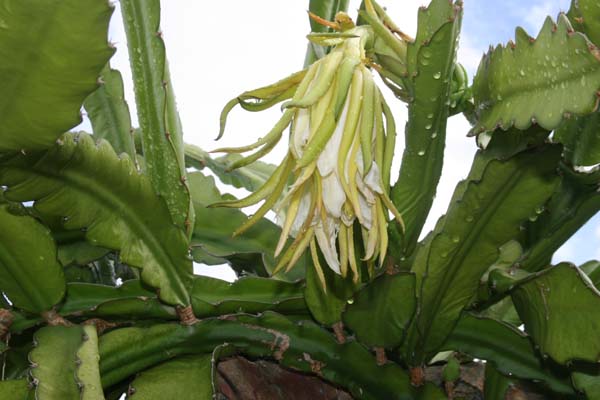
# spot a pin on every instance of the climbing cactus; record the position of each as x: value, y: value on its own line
x: 99, y: 231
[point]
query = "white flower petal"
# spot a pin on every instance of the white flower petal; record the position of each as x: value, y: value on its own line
x: 327, y: 160
x: 365, y: 191
x: 333, y: 195
x: 301, y: 215
x: 373, y: 179
x: 365, y: 209
x: 300, y: 132
x: 326, y: 239
x: 359, y: 161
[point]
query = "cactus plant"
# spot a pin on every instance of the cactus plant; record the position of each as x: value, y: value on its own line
x: 99, y: 230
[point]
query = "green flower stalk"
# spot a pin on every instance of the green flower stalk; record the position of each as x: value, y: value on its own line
x: 334, y: 181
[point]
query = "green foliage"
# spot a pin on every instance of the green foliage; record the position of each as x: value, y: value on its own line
x: 109, y: 113
x: 162, y: 136
x: 585, y: 17
x: 65, y: 363
x: 212, y: 239
x: 588, y: 383
x: 537, y: 80
x: 496, y: 384
x: 574, y: 202
x: 88, y: 370
x: 14, y: 389
x: 48, y: 67
x: 184, y: 378
x: 97, y: 292
x: 580, y: 136
x: 327, y: 303
x: 92, y: 188
x: 546, y: 304
x: 214, y: 297
x: 250, y: 177
x: 34, y: 281
x: 430, y: 67
x: 486, y: 212
x: 300, y: 346
x: 381, y: 312
x: 510, y: 351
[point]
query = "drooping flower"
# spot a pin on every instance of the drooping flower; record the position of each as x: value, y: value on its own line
x: 341, y: 143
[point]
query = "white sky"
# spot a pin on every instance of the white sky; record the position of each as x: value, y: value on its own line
x: 217, y: 49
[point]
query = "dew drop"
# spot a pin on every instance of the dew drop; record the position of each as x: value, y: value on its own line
x: 455, y: 239
x: 437, y: 75
x: 522, y: 73
x: 434, y: 135
x: 539, y: 210
x: 421, y: 153
x: 469, y: 218
x: 350, y: 301
x: 428, y: 126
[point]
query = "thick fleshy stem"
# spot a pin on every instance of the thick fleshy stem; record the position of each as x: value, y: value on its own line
x: 186, y: 315
x: 6, y: 320
x: 100, y: 324
x: 380, y: 355
x: 417, y: 376
x: 338, y: 331
x: 52, y: 318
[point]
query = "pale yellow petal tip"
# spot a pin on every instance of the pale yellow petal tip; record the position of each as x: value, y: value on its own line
x: 318, y: 269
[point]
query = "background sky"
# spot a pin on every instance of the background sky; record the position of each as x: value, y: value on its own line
x: 217, y: 49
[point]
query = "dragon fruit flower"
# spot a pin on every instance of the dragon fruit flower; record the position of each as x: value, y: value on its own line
x: 341, y: 144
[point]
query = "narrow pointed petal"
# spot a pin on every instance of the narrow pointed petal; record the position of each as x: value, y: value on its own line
x: 373, y: 179
x: 274, y: 134
x: 352, y: 255
x: 367, y: 121
x: 366, y: 216
x: 383, y: 234
x: 323, y: 81
x: 372, y: 236
x: 292, y: 212
x: 303, y: 210
x: 390, y: 144
x: 365, y: 191
x: 318, y: 269
x: 343, y: 242
x: 302, y: 245
x: 326, y: 237
x: 264, y: 191
x: 350, y: 127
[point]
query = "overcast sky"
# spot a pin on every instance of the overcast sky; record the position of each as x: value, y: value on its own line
x: 217, y: 49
